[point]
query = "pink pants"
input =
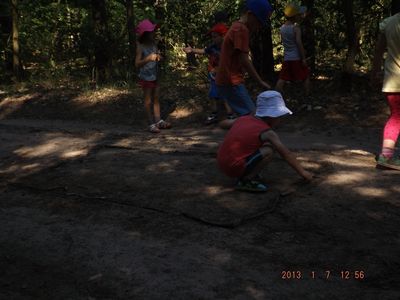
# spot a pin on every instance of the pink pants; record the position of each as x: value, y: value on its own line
x: 392, y: 127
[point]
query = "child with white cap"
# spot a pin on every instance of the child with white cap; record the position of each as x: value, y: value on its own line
x: 249, y: 144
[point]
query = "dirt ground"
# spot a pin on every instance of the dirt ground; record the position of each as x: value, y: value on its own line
x: 97, y: 208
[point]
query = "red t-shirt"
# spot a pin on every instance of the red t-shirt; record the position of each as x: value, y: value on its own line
x: 242, y: 140
x: 236, y: 41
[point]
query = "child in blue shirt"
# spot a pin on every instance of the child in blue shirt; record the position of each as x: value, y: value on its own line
x: 213, y: 52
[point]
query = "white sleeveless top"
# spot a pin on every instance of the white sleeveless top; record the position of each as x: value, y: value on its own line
x: 291, y: 52
x: 149, y: 71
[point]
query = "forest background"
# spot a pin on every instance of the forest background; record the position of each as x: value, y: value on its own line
x: 93, y: 42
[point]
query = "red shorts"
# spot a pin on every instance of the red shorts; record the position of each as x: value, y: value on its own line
x: 294, y: 70
x: 148, y: 84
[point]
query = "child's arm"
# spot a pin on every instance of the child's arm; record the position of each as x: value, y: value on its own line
x: 140, y: 62
x: 273, y: 138
x: 299, y: 43
x: 248, y: 66
x: 194, y: 50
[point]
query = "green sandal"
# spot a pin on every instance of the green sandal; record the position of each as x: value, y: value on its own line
x: 387, y: 163
x: 251, y: 186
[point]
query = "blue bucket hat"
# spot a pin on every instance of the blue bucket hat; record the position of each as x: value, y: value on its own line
x: 260, y: 8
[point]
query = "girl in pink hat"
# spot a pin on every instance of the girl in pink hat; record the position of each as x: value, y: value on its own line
x: 147, y: 60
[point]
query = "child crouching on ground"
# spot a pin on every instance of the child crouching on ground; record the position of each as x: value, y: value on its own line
x: 249, y: 144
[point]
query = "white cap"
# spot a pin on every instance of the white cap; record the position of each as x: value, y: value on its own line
x: 271, y: 104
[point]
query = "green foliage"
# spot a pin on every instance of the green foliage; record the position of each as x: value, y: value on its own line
x: 58, y: 34
x: 50, y: 33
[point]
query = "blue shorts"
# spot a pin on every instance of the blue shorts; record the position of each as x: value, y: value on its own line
x: 238, y: 98
x: 252, y: 161
x: 213, y: 92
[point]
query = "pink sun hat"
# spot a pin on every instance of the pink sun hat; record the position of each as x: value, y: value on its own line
x: 145, y: 26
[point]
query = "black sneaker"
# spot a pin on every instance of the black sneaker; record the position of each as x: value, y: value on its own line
x: 211, y: 119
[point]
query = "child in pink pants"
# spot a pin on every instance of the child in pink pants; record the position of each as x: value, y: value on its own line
x: 389, y: 38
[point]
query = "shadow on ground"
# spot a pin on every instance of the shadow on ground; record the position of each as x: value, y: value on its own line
x: 115, y: 214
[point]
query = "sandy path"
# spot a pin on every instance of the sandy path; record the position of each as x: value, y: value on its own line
x: 100, y: 212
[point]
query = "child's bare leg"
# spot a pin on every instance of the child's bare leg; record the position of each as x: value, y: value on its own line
x: 214, y: 105
x: 267, y: 153
x: 156, y: 103
x: 213, y: 116
x: 229, y: 110
x: 161, y: 124
x: 147, y: 105
x: 279, y: 85
x: 226, y: 124
x: 388, y: 144
x: 307, y: 86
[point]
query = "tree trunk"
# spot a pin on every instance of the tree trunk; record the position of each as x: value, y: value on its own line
x: 55, y: 51
x: 159, y: 7
x: 262, y: 53
x: 394, y: 7
x: 308, y: 35
x: 102, y: 46
x: 6, y: 36
x: 353, y: 43
x: 191, y: 58
x: 131, y: 35
x: 15, y: 41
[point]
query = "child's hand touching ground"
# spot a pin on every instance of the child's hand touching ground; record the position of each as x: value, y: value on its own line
x: 308, y: 176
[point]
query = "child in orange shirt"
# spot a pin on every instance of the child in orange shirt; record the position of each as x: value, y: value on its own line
x: 235, y: 59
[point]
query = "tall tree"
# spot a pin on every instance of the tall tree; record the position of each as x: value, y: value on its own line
x: 5, y: 33
x: 353, y: 43
x: 130, y: 19
x: 308, y: 34
x: 101, y: 41
x: 395, y: 7
x: 160, y: 13
x: 15, y: 41
x: 262, y: 53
